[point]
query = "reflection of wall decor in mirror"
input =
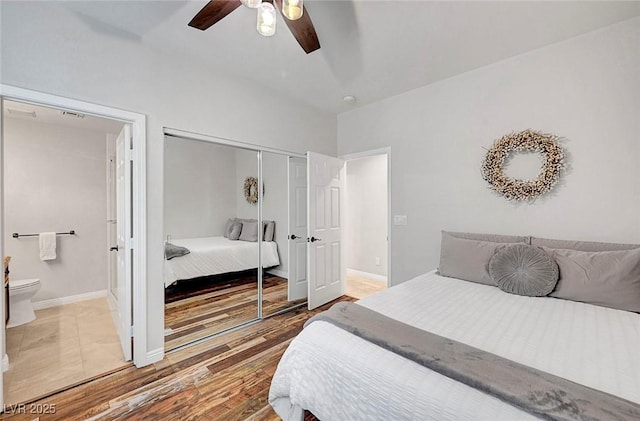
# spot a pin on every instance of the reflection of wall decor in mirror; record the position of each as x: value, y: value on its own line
x: 527, y: 140
x: 251, y: 190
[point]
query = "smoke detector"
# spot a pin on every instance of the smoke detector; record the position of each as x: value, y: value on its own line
x: 71, y: 114
x: 349, y: 99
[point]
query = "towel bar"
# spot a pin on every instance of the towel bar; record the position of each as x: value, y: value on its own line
x: 16, y: 235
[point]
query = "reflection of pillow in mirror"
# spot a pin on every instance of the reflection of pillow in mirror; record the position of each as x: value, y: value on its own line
x: 236, y: 229
x: 227, y: 227
x: 249, y: 231
x: 172, y: 251
x: 269, y: 230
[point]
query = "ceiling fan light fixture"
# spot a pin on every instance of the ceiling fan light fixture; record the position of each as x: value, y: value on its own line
x: 251, y: 4
x: 266, y: 25
x: 292, y: 9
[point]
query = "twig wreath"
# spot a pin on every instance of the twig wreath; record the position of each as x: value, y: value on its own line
x: 527, y: 140
x: 251, y: 190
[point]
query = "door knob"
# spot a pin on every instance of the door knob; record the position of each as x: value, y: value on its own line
x: 114, y: 248
x: 314, y: 239
x: 293, y: 237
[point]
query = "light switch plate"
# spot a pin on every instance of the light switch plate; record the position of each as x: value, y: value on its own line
x: 399, y: 219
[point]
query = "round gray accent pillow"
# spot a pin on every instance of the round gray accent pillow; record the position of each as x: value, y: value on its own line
x: 524, y: 270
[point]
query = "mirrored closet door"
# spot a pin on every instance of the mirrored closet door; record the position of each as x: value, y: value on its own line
x: 211, y: 231
x: 235, y: 236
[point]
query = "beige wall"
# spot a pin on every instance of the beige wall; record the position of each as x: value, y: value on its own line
x: 55, y: 180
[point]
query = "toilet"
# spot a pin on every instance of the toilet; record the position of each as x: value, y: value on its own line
x: 20, y: 307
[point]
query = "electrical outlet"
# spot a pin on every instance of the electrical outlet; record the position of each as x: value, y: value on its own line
x: 377, y: 261
x: 399, y: 219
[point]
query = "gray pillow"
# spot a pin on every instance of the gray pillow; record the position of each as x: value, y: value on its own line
x: 227, y: 227
x: 604, y: 278
x: 236, y: 229
x: 467, y: 259
x: 524, y: 270
x: 581, y: 245
x: 249, y: 231
x: 171, y: 251
x: 269, y: 230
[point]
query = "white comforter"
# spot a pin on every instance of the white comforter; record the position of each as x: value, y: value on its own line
x: 216, y: 255
x: 338, y: 376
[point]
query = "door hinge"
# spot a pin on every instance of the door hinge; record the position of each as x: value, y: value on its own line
x: 131, y: 331
x: 128, y: 154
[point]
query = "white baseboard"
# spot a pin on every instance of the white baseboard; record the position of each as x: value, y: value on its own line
x: 372, y: 276
x: 279, y: 273
x: 54, y: 302
x: 154, y: 356
x: 5, y: 362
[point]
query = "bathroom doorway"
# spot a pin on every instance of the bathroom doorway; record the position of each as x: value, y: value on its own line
x: 57, y: 179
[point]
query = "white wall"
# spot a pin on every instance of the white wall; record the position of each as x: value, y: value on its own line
x: 199, y: 196
x: 367, y: 215
x: 585, y: 89
x: 114, y: 69
x: 55, y: 180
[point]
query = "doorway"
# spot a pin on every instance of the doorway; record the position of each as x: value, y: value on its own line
x: 53, y: 182
x: 367, y: 223
x: 136, y: 261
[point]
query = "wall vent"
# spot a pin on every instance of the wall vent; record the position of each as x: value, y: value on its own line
x: 21, y: 113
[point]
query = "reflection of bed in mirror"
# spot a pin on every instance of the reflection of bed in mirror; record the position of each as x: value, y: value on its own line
x: 217, y: 255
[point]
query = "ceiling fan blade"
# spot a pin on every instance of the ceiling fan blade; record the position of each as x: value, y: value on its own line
x: 302, y: 29
x: 214, y: 11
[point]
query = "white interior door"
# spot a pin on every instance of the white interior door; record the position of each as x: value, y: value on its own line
x: 326, y: 189
x: 123, y: 223
x: 297, y: 238
x: 112, y: 227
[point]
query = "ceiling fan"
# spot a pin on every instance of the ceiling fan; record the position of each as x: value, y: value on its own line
x: 301, y: 28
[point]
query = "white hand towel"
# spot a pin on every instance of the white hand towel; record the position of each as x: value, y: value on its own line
x: 47, y: 242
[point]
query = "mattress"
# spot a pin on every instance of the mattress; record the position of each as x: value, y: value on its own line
x: 347, y: 377
x: 217, y: 255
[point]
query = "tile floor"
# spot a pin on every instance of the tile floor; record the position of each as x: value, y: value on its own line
x: 360, y: 287
x: 64, y: 345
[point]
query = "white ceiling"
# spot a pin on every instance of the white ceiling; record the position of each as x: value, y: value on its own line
x: 370, y: 49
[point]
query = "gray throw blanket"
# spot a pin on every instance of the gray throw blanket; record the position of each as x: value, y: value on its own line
x: 171, y: 251
x: 536, y: 392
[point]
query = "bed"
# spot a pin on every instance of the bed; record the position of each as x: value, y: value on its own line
x: 339, y: 376
x: 217, y: 255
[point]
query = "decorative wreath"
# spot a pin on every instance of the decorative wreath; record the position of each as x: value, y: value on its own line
x: 251, y: 190
x: 527, y: 140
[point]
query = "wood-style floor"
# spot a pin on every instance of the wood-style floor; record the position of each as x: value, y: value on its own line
x: 225, y: 378
x: 196, y: 309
